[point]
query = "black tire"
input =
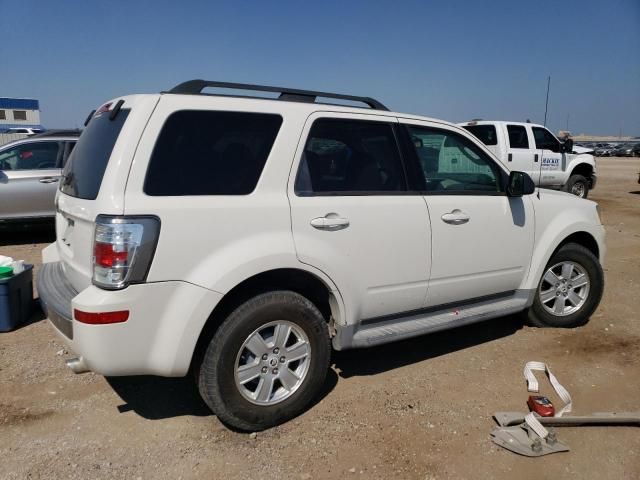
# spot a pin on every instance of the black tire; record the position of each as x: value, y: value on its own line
x: 538, y: 316
x: 216, y: 379
x: 580, y: 183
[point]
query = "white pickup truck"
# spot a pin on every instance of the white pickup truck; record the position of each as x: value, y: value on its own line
x: 533, y: 149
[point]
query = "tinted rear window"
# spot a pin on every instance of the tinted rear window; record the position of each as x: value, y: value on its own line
x: 210, y: 153
x: 83, y: 172
x: 486, y: 133
x: 517, y: 136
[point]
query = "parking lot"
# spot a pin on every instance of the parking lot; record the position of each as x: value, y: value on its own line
x: 415, y: 409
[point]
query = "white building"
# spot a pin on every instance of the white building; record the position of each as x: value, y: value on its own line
x: 19, y: 112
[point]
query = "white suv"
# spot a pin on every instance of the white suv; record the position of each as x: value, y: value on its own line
x: 241, y: 238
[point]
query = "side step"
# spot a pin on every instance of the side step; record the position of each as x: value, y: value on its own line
x: 371, y: 333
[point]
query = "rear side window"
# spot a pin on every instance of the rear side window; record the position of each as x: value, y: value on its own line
x: 355, y: 156
x: 211, y: 153
x: 485, y: 133
x: 517, y: 136
x: 83, y: 172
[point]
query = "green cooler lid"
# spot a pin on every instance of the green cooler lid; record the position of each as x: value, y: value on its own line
x: 6, y: 272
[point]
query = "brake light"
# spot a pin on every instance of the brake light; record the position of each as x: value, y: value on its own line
x: 123, y: 249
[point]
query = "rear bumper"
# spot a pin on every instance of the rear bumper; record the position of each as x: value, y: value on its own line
x: 159, y: 337
x: 56, y: 294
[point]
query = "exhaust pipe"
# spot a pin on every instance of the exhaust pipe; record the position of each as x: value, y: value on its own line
x: 77, y: 365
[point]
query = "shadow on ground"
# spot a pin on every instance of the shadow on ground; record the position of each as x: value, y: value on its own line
x: 156, y: 398
x: 387, y: 357
x: 636, y: 192
x: 27, y: 233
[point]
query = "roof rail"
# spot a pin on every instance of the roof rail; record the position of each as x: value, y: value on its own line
x: 195, y: 87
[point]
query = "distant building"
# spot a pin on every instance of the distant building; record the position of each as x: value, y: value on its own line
x: 19, y: 112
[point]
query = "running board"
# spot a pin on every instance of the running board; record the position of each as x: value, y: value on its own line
x: 371, y: 333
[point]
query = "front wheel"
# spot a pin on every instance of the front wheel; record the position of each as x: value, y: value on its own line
x: 570, y: 289
x: 578, y: 186
x: 266, y: 362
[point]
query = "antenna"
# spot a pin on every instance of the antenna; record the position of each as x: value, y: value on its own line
x: 546, y: 103
x: 546, y: 107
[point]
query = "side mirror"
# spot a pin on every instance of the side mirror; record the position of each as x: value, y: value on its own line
x: 520, y: 184
x: 567, y: 146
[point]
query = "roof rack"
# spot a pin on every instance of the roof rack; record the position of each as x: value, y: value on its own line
x: 195, y: 87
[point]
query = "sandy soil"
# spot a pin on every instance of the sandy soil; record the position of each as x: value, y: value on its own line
x: 416, y: 409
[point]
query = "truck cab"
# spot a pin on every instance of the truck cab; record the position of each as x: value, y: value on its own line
x: 533, y: 149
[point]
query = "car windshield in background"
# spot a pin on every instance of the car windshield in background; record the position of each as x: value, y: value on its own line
x: 486, y: 133
x: 82, y: 175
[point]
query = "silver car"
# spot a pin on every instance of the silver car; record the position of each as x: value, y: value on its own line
x: 30, y: 171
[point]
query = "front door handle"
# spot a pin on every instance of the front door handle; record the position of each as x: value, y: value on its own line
x: 456, y: 217
x: 330, y: 222
x: 48, y: 180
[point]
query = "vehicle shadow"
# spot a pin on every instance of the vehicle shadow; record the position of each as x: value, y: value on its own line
x: 157, y: 398
x: 36, y: 315
x: 372, y: 361
x: 636, y: 192
x: 27, y: 233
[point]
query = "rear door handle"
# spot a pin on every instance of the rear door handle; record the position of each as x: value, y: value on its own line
x: 535, y: 157
x: 456, y: 217
x: 48, y: 180
x: 330, y: 222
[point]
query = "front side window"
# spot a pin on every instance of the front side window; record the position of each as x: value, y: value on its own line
x: 3, y: 115
x: 201, y: 152
x: 31, y: 156
x: 452, y: 163
x: 518, y: 136
x: 545, y: 140
x: 350, y: 156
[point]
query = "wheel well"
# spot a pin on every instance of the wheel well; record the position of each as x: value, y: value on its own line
x: 583, y: 169
x: 584, y: 239
x: 299, y: 281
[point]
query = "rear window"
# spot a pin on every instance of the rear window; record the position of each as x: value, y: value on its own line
x: 517, y: 136
x: 83, y: 172
x: 486, y: 133
x: 211, y: 153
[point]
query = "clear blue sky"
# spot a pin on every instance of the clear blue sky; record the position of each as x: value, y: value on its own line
x: 446, y: 59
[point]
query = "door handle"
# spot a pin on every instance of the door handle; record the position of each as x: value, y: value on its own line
x: 330, y: 222
x: 535, y: 157
x: 456, y: 217
x: 48, y: 180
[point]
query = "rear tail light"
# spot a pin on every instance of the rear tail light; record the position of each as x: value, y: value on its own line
x: 123, y: 248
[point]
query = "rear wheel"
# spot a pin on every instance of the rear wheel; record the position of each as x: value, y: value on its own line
x: 578, y: 186
x: 570, y: 289
x: 266, y: 362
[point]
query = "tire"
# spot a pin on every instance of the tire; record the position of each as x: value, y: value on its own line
x: 237, y: 404
x: 585, y: 262
x: 578, y: 186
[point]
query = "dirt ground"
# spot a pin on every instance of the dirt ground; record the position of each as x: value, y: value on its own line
x: 416, y: 409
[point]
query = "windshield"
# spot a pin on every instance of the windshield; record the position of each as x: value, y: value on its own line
x: 82, y: 175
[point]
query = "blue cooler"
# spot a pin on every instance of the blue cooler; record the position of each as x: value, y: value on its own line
x: 16, y: 299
